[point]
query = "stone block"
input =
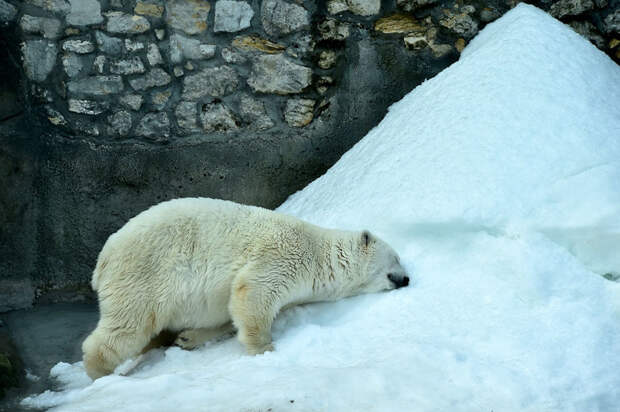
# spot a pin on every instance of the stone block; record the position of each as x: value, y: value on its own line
x: 149, y: 9
x: 84, y: 13
x: 210, y: 82
x: 96, y: 85
x: 299, y: 112
x: 8, y: 12
x: 277, y: 74
x: 154, y: 126
x: 107, y: 44
x: 217, y: 117
x: 188, y: 15
x: 87, y: 106
x: 280, y: 17
x: 156, y: 77
x: 39, y: 58
x: 119, y: 22
x: 131, y: 65
x: 48, y: 27
x: 78, y: 46
x: 232, y: 16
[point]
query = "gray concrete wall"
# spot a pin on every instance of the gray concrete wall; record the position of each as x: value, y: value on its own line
x: 107, y: 107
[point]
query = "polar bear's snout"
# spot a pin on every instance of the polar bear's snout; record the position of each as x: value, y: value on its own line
x: 399, y: 281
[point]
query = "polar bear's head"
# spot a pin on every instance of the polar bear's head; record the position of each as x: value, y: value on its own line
x: 382, y: 266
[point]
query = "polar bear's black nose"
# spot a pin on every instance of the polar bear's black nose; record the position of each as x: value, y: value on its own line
x: 398, y: 281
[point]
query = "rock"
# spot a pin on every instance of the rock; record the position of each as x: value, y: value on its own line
x: 178, y: 71
x: 564, y: 8
x: 460, y: 23
x: 78, y: 46
x: 216, y: 117
x: 160, y: 34
x: 86, y: 127
x: 183, y: 47
x: 489, y: 14
x: 256, y: 43
x: 301, y: 46
x: 252, y: 112
x: 148, y: 9
x: 73, y: 64
x: 337, y: 6
x: 187, y: 15
x: 279, y: 17
x: 276, y: 74
x: 87, y: 106
x: 39, y: 58
x: 84, y: 12
x: 156, y: 77
x: 153, y: 55
x: 415, y: 42
x: 364, y: 7
x: 439, y: 50
x: 48, y: 27
x: 131, y: 101
x: 331, y: 29
x: 159, y: 99
x: 55, y: 118
x: 154, y: 126
x: 187, y: 114
x: 589, y: 31
x: 411, y: 5
x: 327, y: 59
x: 56, y: 6
x: 459, y: 44
x: 99, y: 64
x: 399, y: 23
x: 132, y: 65
x: 299, y: 112
x: 612, y: 22
x: 189, y: 66
x: 107, y: 44
x: 231, y: 56
x: 119, y: 22
x: 96, y: 85
x: 212, y: 81
x: 8, y: 12
x: 133, y: 46
x: 323, y: 84
x: 232, y: 16
x: 120, y: 123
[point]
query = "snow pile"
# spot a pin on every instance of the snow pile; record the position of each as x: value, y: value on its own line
x: 498, y: 181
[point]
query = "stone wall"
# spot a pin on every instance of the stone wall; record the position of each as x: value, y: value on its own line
x: 109, y: 106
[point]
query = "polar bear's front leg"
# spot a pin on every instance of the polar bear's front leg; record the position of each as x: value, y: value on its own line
x: 253, y: 306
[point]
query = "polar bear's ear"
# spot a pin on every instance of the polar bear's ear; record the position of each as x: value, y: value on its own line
x: 366, y: 238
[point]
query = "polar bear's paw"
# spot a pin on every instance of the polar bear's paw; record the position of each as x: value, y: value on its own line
x: 260, y: 350
x: 193, y: 338
x: 189, y: 339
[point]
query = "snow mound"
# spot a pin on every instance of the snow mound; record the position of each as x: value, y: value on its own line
x: 498, y: 181
x: 523, y: 133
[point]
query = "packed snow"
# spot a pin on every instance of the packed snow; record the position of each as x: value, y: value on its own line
x: 498, y: 182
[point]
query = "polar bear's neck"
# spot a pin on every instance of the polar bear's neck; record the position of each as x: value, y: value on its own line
x: 337, y: 265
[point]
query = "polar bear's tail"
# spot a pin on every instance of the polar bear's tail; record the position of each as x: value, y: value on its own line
x: 102, y: 262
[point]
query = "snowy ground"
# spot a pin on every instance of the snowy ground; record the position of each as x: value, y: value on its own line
x: 498, y: 181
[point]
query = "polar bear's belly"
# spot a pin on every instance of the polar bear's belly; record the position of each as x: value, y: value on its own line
x: 200, y: 305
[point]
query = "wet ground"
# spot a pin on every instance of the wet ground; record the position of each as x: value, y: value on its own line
x: 44, y: 336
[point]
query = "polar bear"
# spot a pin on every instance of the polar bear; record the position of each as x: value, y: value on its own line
x: 202, y: 267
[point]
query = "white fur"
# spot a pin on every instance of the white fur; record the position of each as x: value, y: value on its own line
x: 199, y: 263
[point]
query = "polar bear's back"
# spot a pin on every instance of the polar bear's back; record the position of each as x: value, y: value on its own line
x: 197, y: 234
